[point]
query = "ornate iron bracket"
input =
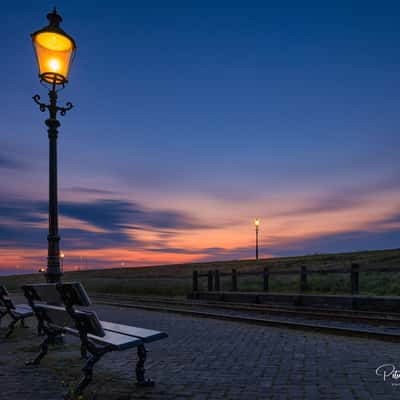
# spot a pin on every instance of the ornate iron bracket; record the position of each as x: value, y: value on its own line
x: 43, y: 106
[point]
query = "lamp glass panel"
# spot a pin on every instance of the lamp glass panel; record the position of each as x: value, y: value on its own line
x: 53, y: 53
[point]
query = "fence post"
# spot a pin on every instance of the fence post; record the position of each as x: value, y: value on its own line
x: 355, y: 278
x: 303, y: 278
x: 234, y: 280
x: 195, y: 281
x: 266, y: 279
x: 210, y: 280
x: 216, y: 277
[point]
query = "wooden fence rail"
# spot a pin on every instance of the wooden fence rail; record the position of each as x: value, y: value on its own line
x: 214, y: 277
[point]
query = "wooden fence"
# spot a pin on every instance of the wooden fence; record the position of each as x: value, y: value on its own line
x: 214, y: 277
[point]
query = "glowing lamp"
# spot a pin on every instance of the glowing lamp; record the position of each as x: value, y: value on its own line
x: 55, y: 51
x: 257, y: 223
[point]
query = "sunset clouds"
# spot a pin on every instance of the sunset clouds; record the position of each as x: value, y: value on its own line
x: 110, y: 232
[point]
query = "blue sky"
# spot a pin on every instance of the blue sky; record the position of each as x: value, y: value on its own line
x: 211, y: 113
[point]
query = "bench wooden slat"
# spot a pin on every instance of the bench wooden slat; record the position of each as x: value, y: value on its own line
x: 147, y: 335
x: 23, y: 306
x: 59, y: 317
x: 47, y: 292
x: 23, y: 311
x: 50, y: 293
x: 76, y: 293
x: 117, y: 340
x: 56, y: 315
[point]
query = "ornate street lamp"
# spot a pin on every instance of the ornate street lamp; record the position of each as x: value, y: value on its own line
x: 55, y: 51
x: 257, y: 224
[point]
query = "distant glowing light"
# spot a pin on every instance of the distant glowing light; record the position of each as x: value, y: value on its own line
x: 257, y: 222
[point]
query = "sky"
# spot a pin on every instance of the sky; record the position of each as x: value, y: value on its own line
x: 192, y: 119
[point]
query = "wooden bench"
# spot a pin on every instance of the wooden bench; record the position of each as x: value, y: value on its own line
x: 16, y: 312
x: 63, y: 309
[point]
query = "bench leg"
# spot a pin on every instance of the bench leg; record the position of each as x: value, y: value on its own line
x: 40, y: 330
x: 23, y: 325
x: 43, y: 351
x: 11, y: 327
x: 140, y: 370
x: 84, y: 354
x: 2, y: 314
x: 88, y: 372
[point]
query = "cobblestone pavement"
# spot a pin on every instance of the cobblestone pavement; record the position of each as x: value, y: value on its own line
x: 206, y: 359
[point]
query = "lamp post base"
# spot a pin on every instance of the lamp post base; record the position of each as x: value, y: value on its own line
x: 52, y: 278
x: 53, y: 273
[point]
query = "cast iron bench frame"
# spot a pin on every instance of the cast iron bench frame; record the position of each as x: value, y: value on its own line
x: 56, y: 308
x: 16, y: 312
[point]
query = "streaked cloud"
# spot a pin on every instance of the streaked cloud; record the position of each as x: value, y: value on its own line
x: 87, y: 190
x: 6, y: 162
x: 343, y: 199
x: 118, y: 214
x: 117, y: 220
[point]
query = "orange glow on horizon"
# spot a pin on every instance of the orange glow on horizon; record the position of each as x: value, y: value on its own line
x: 286, y: 229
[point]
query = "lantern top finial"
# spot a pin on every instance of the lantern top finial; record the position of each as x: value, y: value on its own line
x: 54, y: 18
x: 54, y: 26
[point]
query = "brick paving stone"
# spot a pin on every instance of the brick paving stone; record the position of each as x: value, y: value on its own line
x: 206, y: 359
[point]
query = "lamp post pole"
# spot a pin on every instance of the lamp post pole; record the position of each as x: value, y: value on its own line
x: 54, y: 51
x: 257, y: 224
x: 53, y: 273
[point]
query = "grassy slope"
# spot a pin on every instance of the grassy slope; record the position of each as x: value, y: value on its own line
x: 176, y: 279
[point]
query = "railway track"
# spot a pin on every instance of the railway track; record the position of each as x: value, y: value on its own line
x: 382, y: 326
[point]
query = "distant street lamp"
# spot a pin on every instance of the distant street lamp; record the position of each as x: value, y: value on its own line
x: 62, y: 255
x: 257, y: 224
x: 55, y: 51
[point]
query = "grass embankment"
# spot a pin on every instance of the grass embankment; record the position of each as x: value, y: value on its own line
x: 176, y: 280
